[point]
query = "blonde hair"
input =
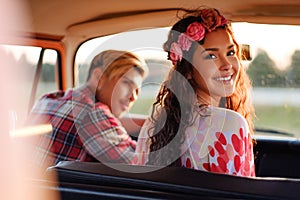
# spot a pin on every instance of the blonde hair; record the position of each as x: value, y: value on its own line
x: 115, y: 63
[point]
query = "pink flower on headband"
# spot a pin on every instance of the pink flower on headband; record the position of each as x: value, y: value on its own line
x: 184, y: 42
x: 175, y: 53
x: 195, y: 31
x: 212, y: 19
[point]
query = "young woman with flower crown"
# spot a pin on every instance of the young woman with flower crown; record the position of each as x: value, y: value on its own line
x: 202, y: 116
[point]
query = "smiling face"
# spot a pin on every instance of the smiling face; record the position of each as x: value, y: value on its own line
x: 120, y: 92
x: 216, y: 67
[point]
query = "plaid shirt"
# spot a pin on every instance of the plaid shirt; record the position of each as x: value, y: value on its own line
x: 82, y: 129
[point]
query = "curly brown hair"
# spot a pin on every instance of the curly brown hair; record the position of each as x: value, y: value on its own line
x: 172, y: 110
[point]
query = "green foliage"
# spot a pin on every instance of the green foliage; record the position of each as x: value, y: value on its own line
x: 264, y: 73
x: 48, y: 73
x: 142, y: 106
x: 293, y: 71
x: 284, y: 118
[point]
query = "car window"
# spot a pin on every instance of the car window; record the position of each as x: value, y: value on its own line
x: 274, y: 70
x: 146, y: 44
x: 36, y: 82
x: 275, y: 74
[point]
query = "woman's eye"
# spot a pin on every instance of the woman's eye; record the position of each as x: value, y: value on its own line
x: 210, y: 56
x: 231, y: 53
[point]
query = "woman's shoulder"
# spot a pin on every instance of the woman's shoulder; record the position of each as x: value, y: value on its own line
x: 228, y: 117
x: 226, y: 112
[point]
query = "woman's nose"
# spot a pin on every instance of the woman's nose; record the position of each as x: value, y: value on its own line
x: 225, y: 64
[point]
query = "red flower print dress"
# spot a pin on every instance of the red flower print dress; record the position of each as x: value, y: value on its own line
x: 218, y: 141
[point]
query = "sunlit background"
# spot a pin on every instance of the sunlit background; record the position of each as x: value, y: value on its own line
x: 274, y: 69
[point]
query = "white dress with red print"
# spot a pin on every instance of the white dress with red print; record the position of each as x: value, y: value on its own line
x: 218, y: 141
x: 222, y: 144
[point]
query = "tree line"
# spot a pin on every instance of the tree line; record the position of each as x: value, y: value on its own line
x: 264, y: 73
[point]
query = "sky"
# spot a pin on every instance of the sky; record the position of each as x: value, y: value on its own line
x: 280, y: 41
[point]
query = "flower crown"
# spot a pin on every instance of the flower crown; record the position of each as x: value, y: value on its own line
x: 210, y: 20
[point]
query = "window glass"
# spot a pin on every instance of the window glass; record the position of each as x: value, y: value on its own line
x: 274, y: 70
x: 275, y: 73
x: 48, y: 80
x: 25, y: 60
x: 146, y: 44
